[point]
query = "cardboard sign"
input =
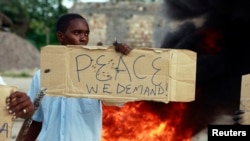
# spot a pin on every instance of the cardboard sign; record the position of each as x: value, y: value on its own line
x: 99, y: 72
x: 6, y: 122
x: 245, y: 99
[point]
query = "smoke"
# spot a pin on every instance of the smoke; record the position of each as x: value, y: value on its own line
x: 222, y: 45
x: 217, y: 30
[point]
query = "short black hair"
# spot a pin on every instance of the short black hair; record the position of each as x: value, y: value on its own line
x: 63, y: 22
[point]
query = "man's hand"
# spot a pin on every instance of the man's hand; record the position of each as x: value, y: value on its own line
x: 20, y: 105
x: 122, y: 48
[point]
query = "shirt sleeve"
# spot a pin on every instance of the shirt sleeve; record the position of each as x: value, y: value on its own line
x: 35, y: 86
x: 33, y: 92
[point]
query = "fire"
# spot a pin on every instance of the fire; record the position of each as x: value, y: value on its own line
x: 144, y: 121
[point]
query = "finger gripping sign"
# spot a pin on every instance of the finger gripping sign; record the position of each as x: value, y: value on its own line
x: 99, y: 72
x: 5, y: 118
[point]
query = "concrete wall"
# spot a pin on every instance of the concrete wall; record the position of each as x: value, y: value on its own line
x: 137, y: 24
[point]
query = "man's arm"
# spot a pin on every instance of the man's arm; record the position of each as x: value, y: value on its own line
x: 33, y: 131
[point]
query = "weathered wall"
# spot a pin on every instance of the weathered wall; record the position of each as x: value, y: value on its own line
x: 137, y: 24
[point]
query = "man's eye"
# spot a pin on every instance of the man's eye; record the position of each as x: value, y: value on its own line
x: 76, y: 32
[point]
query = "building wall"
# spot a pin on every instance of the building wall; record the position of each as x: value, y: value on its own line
x: 137, y: 24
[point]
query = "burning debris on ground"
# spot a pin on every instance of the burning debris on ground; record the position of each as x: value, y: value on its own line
x: 222, y: 47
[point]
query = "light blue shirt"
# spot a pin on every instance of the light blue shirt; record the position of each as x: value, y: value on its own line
x: 67, y: 119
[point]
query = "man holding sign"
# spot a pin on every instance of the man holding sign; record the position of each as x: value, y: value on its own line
x: 61, y: 118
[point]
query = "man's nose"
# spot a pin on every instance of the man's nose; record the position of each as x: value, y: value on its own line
x: 83, y: 37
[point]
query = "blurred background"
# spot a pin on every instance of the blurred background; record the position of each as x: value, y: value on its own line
x: 216, y: 29
x: 28, y: 25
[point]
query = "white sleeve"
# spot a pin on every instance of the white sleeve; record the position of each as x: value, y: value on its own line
x: 1, y: 81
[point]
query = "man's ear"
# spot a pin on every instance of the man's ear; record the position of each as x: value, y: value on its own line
x: 60, y: 36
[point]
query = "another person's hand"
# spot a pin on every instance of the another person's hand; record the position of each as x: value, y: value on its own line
x: 20, y: 105
x: 122, y: 48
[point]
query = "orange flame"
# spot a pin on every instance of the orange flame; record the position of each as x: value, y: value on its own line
x: 144, y: 121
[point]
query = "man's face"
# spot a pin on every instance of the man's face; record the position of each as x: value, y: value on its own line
x: 77, y: 33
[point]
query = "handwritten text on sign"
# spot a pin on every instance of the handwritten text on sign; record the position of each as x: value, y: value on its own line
x: 102, y: 73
